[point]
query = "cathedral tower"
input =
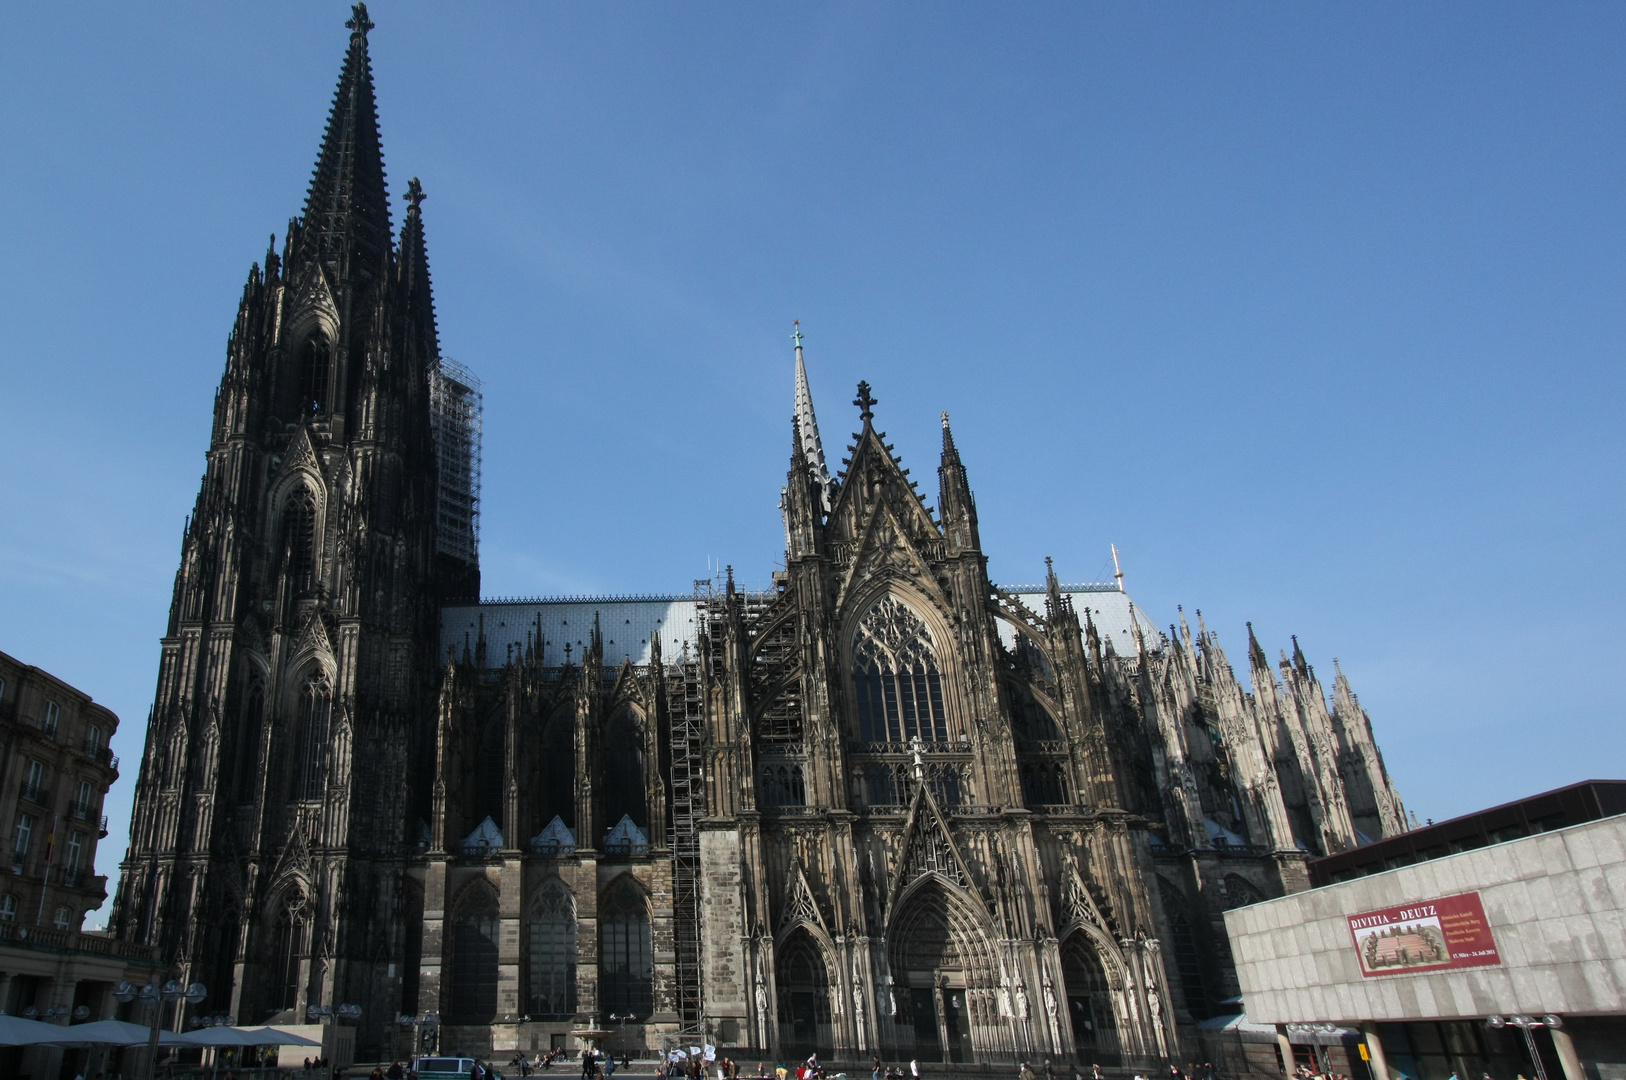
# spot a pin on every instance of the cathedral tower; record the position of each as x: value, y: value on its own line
x: 298, y: 672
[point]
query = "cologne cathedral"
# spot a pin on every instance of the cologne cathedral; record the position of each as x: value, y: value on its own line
x: 885, y: 807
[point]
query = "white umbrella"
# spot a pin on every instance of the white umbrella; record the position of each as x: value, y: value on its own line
x: 110, y: 1033
x: 18, y: 1031
x: 236, y: 1036
x: 270, y: 1036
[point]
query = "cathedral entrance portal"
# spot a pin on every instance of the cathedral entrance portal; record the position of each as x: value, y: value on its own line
x: 804, y: 996
x: 1089, y: 1001
x: 939, y: 946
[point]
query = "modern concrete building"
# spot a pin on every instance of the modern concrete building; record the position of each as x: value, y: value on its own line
x: 1509, y: 939
x: 55, y: 769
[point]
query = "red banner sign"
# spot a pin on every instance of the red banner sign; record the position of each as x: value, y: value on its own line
x: 1430, y: 935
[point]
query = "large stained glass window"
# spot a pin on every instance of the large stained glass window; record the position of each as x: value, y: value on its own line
x: 896, y: 677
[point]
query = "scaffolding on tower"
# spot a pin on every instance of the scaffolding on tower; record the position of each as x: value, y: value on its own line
x: 456, y: 415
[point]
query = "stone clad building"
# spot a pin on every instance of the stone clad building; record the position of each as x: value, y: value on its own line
x: 885, y: 805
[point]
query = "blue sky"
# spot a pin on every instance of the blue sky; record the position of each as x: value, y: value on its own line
x: 1314, y: 310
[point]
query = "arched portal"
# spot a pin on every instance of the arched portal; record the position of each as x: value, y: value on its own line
x: 803, y: 980
x: 947, y: 976
x: 473, y: 991
x: 1089, y: 1001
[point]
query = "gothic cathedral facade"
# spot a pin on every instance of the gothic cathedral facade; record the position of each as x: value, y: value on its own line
x: 885, y: 806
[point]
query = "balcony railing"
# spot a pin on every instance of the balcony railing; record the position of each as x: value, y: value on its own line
x: 73, y: 879
x: 35, y: 793
x: 51, y: 939
x: 102, y: 755
x: 81, y: 811
x: 101, y: 830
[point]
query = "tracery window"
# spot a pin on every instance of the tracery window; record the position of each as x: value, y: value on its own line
x: 624, y: 779
x: 315, y: 361
x: 553, y: 954
x: 895, y: 675
x: 782, y: 785
x: 310, y: 748
x: 299, y: 541
x: 248, y: 743
x: 473, y: 999
x: 1043, y: 783
x: 626, y: 966
x: 287, y: 941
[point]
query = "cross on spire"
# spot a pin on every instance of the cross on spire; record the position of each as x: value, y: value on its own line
x: 358, y: 22
x: 865, y: 401
x: 796, y: 334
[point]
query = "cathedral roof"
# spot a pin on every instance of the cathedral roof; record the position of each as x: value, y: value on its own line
x: 629, y: 623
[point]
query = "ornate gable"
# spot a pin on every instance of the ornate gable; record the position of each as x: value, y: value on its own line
x: 800, y: 906
x: 927, y: 848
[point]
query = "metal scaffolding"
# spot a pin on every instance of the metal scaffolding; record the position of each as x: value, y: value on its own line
x: 456, y: 413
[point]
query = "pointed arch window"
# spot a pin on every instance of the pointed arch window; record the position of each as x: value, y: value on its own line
x: 248, y: 743
x: 624, y: 779
x: 896, y: 677
x: 626, y: 966
x: 556, y: 794
x: 287, y: 952
x: 310, y: 747
x: 473, y: 998
x: 299, y: 541
x: 782, y: 785
x: 315, y: 366
x: 552, y: 941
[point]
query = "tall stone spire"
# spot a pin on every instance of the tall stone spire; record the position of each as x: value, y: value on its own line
x: 347, y: 212
x: 955, y: 506
x: 807, y: 424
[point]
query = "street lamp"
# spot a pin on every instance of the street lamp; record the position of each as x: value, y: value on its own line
x: 151, y: 995
x: 1528, y: 1025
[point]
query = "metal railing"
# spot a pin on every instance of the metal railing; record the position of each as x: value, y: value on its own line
x: 36, y: 793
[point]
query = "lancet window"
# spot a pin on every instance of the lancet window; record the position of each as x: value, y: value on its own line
x: 310, y: 748
x: 315, y: 363
x: 896, y: 678
x: 626, y: 966
x: 553, y: 954
x: 624, y: 780
x: 782, y: 785
x: 299, y: 541
x: 473, y: 999
x: 287, y: 950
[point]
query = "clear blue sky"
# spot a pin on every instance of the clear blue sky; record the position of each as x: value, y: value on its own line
x: 1314, y: 310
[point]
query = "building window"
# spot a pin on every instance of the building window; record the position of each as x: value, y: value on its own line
x: 314, y: 709
x: 553, y: 954
x: 63, y: 916
x: 8, y: 908
x: 626, y: 964
x: 625, y: 784
x: 81, y: 801
x: 48, y: 722
x: 315, y: 361
x: 474, y: 961
x: 93, y: 740
x: 34, y: 784
x: 299, y: 541
x: 76, y: 851
x: 286, y: 957
x: 885, y: 785
x: 895, y: 676
x: 25, y: 833
x: 1043, y: 783
x: 782, y: 785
